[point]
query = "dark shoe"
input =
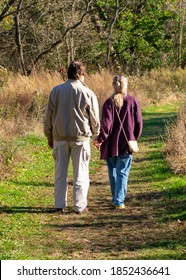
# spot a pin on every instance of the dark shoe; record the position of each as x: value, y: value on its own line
x: 60, y: 210
x: 82, y: 211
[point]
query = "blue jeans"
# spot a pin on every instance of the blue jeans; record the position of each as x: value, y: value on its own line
x: 118, y: 170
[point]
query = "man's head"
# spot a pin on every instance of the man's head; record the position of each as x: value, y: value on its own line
x: 76, y: 71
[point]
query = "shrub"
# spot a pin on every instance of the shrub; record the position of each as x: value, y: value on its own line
x: 27, y: 95
x: 175, y: 145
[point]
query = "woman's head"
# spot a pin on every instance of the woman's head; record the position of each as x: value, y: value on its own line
x: 120, y: 84
x: 76, y: 70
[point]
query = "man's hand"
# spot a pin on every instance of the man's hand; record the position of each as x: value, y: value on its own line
x: 50, y: 143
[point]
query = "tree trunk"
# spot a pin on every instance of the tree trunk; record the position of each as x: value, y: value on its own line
x: 110, y: 34
x: 18, y: 37
x: 181, y: 24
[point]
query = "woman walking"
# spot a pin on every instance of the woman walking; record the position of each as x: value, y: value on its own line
x: 121, y: 121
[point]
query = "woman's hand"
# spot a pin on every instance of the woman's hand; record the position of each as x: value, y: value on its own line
x: 96, y: 144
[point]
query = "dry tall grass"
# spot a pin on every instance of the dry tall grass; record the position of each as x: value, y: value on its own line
x: 22, y: 104
x: 159, y: 86
x: 101, y: 84
x: 23, y: 99
x: 175, y: 146
x: 27, y: 96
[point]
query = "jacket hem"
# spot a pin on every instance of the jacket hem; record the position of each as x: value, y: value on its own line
x: 71, y: 138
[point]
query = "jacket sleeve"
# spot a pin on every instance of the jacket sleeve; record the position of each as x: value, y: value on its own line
x: 106, y: 122
x: 94, y: 116
x: 138, y: 125
x: 48, y: 119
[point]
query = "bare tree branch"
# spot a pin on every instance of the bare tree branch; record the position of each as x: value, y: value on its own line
x: 4, y: 13
x: 60, y: 41
x: 110, y: 32
x: 118, y: 9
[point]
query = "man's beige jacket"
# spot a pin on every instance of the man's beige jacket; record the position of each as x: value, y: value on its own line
x: 72, y: 113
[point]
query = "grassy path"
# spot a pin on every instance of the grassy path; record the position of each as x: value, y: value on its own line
x: 151, y: 227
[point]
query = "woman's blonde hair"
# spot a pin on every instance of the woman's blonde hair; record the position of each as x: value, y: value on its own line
x: 120, y: 84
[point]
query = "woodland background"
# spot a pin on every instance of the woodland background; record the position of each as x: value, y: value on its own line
x: 144, y: 40
x: 131, y: 36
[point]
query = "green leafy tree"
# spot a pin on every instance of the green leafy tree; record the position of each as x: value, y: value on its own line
x: 142, y: 35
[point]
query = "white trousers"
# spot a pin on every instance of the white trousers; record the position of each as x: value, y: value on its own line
x: 80, y: 155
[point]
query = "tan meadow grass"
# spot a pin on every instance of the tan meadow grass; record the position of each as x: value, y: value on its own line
x: 23, y: 99
x: 22, y: 104
x: 161, y: 85
x: 29, y: 94
x: 175, y: 145
x: 101, y: 84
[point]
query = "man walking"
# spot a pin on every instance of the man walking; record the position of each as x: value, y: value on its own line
x: 71, y: 118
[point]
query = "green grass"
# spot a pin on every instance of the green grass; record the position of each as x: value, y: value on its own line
x: 151, y: 227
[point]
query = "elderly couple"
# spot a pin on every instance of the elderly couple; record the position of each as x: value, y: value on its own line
x: 71, y: 118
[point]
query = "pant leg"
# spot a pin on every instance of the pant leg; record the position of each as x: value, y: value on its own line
x: 122, y: 170
x: 111, y: 164
x: 80, y: 154
x: 61, y: 156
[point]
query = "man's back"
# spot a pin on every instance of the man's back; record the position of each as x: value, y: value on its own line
x: 74, y: 112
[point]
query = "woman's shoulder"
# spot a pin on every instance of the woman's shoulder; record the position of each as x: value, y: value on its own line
x: 131, y: 99
x: 108, y: 101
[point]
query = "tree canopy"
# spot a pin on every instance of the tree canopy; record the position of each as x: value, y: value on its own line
x: 129, y: 35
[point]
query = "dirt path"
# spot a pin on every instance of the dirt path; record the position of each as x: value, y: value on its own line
x: 137, y: 232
